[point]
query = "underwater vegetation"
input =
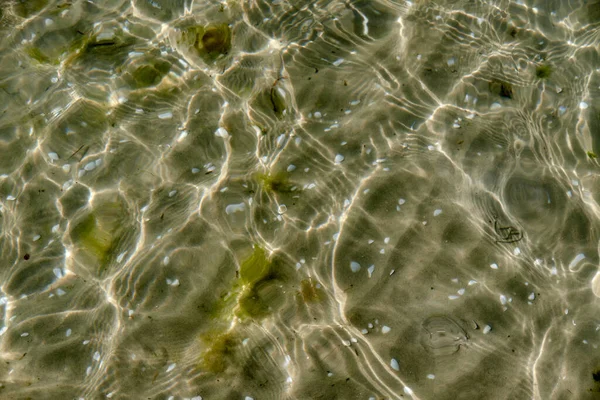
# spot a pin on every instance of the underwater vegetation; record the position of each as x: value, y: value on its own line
x: 209, y: 42
x: 255, y: 295
x: 150, y: 74
x: 98, y: 233
x: 213, y: 40
x: 501, y: 88
x: 277, y: 182
x: 221, y: 351
x: 543, y: 71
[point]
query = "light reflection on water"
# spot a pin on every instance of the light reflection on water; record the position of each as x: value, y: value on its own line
x: 299, y: 200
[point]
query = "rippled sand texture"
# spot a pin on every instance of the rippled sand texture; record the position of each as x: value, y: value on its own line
x: 299, y: 200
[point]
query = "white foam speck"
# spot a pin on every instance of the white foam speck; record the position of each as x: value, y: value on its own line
x: 453, y: 297
x: 451, y: 61
x: 248, y: 398
x: 68, y: 333
x: 233, y: 208
x: 196, y: 398
x: 408, y: 390
x: 461, y: 291
x: 531, y: 296
x: 58, y: 272
x: 172, y: 193
x: 53, y: 156
x: 166, y: 260
x: 36, y: 238
x: 487, y: 329
x: 96, y: 356
x: 503, y: 299
x: 171, y: 367
x: 338, y: 62
x: 517, y: 251
x: 3, y: 330
x: 386, y: 240
x: 583, y: 105
x: 291, y: 167
x: 472, y: 282
x: 90, y: 166
x: 165, y: 115
x: 401, y: 201
x: 88, y: 370
x: 494, y: 266
x: 576, y: 260
x: 60, y: 292
x: 370, y: 270
x: 430, y: 376
x: 437, y: 212
x: 354, y: 266
x: 339, y: 158
x: 385, y: 329
x: 354, y: 102
x: 195, y: 170
x: 394, y: 364
x: 24, y: 334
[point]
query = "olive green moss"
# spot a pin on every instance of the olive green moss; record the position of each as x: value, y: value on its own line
x: 543, y: 71
x: 277, y: 182
x: 221, y: 349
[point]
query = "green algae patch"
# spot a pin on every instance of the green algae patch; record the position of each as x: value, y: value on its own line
x: 220, y: 352
x: 38, y: 55
x: 255, y: 267
x: 591, y: 155
x: 213, y: 41
x: 543, y: 71
x: 274, y: 183
x: 97, y: 235
x: 28, y: 8
x: 92, y: 237
x: 150, y: 74
x: 311, y: 292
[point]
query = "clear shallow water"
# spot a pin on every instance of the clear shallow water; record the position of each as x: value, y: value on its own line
x: 297, y: 200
